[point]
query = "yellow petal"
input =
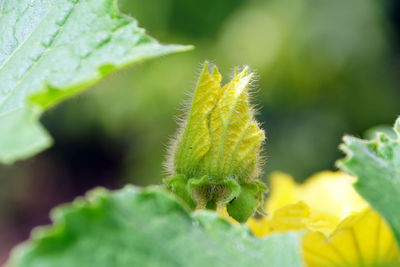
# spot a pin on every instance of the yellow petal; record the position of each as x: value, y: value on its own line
x: 293, y: 217
x: 323, y: 222
x: 282, y: 191
x: 363, y: 239
x: 342, y: 230
x: 235, y: 136
x: 329, y: 193
x: 194, y: 141
x: 260, y: 226
x: 290, y: 217
x: 333, y: 192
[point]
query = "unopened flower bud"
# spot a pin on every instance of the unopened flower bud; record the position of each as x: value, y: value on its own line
x: 217, y: 151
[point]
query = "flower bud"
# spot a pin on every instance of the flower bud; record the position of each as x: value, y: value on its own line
x: 218, y: 147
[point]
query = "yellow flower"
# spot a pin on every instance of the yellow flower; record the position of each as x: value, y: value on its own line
x: 341, y: 228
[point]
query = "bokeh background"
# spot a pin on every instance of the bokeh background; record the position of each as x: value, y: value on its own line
x: 324, y: 68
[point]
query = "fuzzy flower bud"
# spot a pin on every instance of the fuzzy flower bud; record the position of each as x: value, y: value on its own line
x: 217, y: 153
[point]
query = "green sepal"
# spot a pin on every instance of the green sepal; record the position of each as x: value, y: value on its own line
x: 250, y: 199
x: 241, y: 200
x: 208, y: 193
x: 234, y: 191
x: 178, y: 184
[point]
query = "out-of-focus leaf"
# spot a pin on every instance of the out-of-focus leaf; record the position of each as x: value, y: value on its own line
x: 376, y: 164
x: 374, y: 132
x: 148, y: 227
x: 52, y: 49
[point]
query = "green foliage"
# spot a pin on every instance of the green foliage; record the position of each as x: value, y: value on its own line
x: 148, y: 227
x: 376, y: 164
x: 50, y: 50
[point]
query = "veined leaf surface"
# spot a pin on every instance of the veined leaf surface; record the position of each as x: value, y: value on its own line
x: 148, y: 227
x: 376, y: 164
x: 52, y: 49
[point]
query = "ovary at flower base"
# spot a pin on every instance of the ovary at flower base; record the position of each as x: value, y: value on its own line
x: 341, y: 228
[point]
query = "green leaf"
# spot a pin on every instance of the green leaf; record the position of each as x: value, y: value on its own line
x: 376, y: 164
x: 148, y: 227
x: 52, y: 49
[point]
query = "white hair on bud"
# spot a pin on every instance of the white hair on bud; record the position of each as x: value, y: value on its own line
x: 184, y: 109
x: 181, y: 121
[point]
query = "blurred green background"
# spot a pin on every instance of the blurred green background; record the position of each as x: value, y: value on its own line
x: 324, y: 68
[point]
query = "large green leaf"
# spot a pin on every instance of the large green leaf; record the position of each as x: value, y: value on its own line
x: 376, y: 164
x: 148, y: 227
x: 52, y: 49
